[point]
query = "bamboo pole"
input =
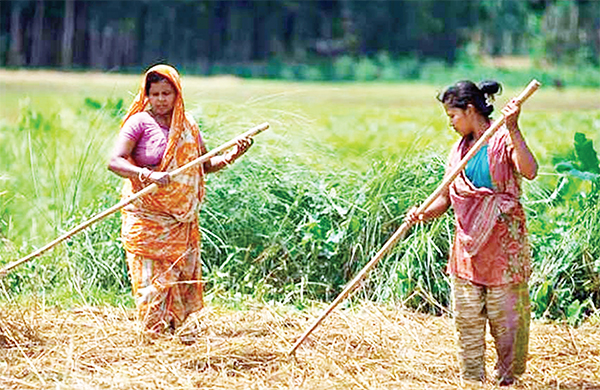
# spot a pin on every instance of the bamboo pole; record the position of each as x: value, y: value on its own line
x: 145, y: 191
x: 401, y: 231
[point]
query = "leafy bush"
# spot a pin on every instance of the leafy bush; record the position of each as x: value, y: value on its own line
x: 343, y: 68
x: 384, y: 68
x: 366, y: 70
x: 566, y: 283
x: 288, y: 234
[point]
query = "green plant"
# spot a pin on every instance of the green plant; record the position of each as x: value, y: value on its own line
x: 366, y: 70
x: 584, y: 167
x: 566, y: 282
x: 114, y: 107
x: 307, y: 207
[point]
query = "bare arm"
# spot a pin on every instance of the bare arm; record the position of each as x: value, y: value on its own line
x: 522, y: 157
x: 219, y: 162
x: 122, y: 164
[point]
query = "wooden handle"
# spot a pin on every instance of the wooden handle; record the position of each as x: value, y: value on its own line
x: 533, y: 86
x: 401, y: 231
x: 248, y: 134
x: 145, y: 191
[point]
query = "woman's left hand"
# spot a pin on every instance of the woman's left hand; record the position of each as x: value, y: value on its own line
x: 511, y: 115
x: 241, y: 147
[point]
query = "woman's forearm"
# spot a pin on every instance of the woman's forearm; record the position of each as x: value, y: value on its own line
x: 216, y: 163
x: 435, y: 209
x: 124, y: 168
x: 522, y: 157
x: 438, y: 207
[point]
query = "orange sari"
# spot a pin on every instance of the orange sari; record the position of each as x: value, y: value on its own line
x: 160, y: 231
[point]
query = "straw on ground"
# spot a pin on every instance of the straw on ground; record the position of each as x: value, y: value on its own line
x: 369, y: 347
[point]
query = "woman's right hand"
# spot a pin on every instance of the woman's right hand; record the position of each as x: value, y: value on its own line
x: 160, y: 178
x: 412, y: 217
x: 154, y: 177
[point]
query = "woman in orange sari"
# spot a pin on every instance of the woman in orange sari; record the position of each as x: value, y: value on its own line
x: 490, y: 260
x: 160, y: 231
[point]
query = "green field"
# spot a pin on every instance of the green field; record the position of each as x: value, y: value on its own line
x: 308, y: 205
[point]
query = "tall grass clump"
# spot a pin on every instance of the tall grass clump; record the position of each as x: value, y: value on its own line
x: 277, y: 231
x: 566, y: 233
x: 52, y: 183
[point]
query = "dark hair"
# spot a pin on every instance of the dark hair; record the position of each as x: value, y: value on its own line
x: 155, y: 77
x: 465, y: 92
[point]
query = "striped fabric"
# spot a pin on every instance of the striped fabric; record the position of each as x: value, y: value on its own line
x: 507, y: 310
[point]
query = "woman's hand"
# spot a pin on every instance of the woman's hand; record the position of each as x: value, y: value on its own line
x: 159, y: 178
x: 219, y: 162
x: 241, y: 147
x: 522, y: 157
x: 412, y: 217
x: 435, y: 209
x: 511, y: 115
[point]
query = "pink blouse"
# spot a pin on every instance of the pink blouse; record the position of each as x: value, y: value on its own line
x: 149, y: 136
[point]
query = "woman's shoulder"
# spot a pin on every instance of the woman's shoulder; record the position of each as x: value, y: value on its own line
x: 455, y: 154
x: 137, y: 124
x: 139, y: 118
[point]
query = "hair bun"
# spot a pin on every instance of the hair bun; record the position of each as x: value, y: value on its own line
x: 490, y: 87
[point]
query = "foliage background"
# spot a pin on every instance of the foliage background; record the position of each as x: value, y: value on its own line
x: 319, y: 39
x: 357, y: 137
x: 306, y: 208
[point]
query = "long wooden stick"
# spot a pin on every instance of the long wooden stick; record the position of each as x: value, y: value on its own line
x: 401, y: 231
x: 146, y: 190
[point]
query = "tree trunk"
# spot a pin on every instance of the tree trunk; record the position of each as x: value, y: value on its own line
x: 140, y: 38
x: 37, y: 51
x: 95, y: 44
x: 15, y: 53
x: 81, y: 40
x: 217, y: 31
x: 240, y: 32
x: 108, y: 53
x: 68, y: 31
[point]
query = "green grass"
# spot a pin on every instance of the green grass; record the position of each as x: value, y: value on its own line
x: 304, y: 210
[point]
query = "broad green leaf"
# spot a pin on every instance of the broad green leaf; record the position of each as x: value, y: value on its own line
x: 574, y: 312
x: 584, y: 175
x: 584, y: 149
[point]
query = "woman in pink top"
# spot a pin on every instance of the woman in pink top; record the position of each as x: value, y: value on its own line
x: 490, y: 259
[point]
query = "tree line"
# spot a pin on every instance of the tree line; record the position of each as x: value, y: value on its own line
x: 131, y: 34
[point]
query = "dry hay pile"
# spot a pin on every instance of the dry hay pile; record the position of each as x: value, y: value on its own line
x: 367, y: 348
x: 15, y: 330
